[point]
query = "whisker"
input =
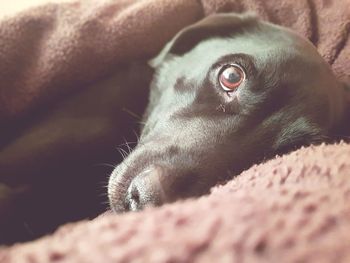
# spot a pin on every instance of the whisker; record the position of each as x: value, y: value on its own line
x: 104, y: 194
x: 131, y: 113
x: 124, y: 144
x: 136, y: 135
x: 122, y: 152
x: 125, y: 152
x: 105, y: 165
x: 104, y: 186
x: 128, y: 146
x: 141, y: 123
x: 105, y: 203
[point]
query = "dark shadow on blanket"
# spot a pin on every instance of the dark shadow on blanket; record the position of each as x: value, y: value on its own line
x: 73, y: 147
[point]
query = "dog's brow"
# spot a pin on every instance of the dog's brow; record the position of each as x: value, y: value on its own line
x: 180, y: 85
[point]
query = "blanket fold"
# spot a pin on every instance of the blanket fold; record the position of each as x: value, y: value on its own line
x: 56, y: 48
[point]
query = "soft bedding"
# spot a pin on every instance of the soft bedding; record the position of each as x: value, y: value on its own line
x: 68, y: 97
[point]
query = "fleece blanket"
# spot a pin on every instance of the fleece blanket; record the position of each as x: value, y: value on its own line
x: 67, y: 99
x: 294, y: 208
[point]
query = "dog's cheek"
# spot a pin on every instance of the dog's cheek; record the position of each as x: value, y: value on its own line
x: 296, y: 134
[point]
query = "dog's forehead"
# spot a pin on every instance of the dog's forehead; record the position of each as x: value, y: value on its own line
x: 260, y: 47
x: 272, y: 46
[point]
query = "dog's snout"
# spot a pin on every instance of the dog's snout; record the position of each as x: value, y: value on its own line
x: 146, y: 189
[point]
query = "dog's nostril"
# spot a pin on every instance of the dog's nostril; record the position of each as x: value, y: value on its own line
x: 133, y: 197
x: 145, y: 190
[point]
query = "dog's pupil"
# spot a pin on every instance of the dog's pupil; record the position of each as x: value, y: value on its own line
x: 231, y: 75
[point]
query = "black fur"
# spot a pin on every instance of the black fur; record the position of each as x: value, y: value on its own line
x: 196, y: 134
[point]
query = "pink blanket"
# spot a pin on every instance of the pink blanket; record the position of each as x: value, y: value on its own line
x: 63, y: 91
x: 294, y: 208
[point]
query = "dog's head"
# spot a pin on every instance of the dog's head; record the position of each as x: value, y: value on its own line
x: 228, y: 91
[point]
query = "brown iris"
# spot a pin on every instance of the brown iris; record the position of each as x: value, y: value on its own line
x: 231, y: 77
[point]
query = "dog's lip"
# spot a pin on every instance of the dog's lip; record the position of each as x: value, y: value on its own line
x: 117, y: 190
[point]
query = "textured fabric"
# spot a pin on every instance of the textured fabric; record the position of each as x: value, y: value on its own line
x: 52, y: 49
x: 294, y: 208
x: 59, y: 117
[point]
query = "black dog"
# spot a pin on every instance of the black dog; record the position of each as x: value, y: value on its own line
x: 229, y: 91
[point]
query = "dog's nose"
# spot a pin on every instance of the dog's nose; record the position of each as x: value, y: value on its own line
x: 146, y: 189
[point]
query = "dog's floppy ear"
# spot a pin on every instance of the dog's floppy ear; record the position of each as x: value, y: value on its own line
x: 211, y: 26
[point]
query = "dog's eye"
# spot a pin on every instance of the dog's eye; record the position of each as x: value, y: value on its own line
x: 231, y: 76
